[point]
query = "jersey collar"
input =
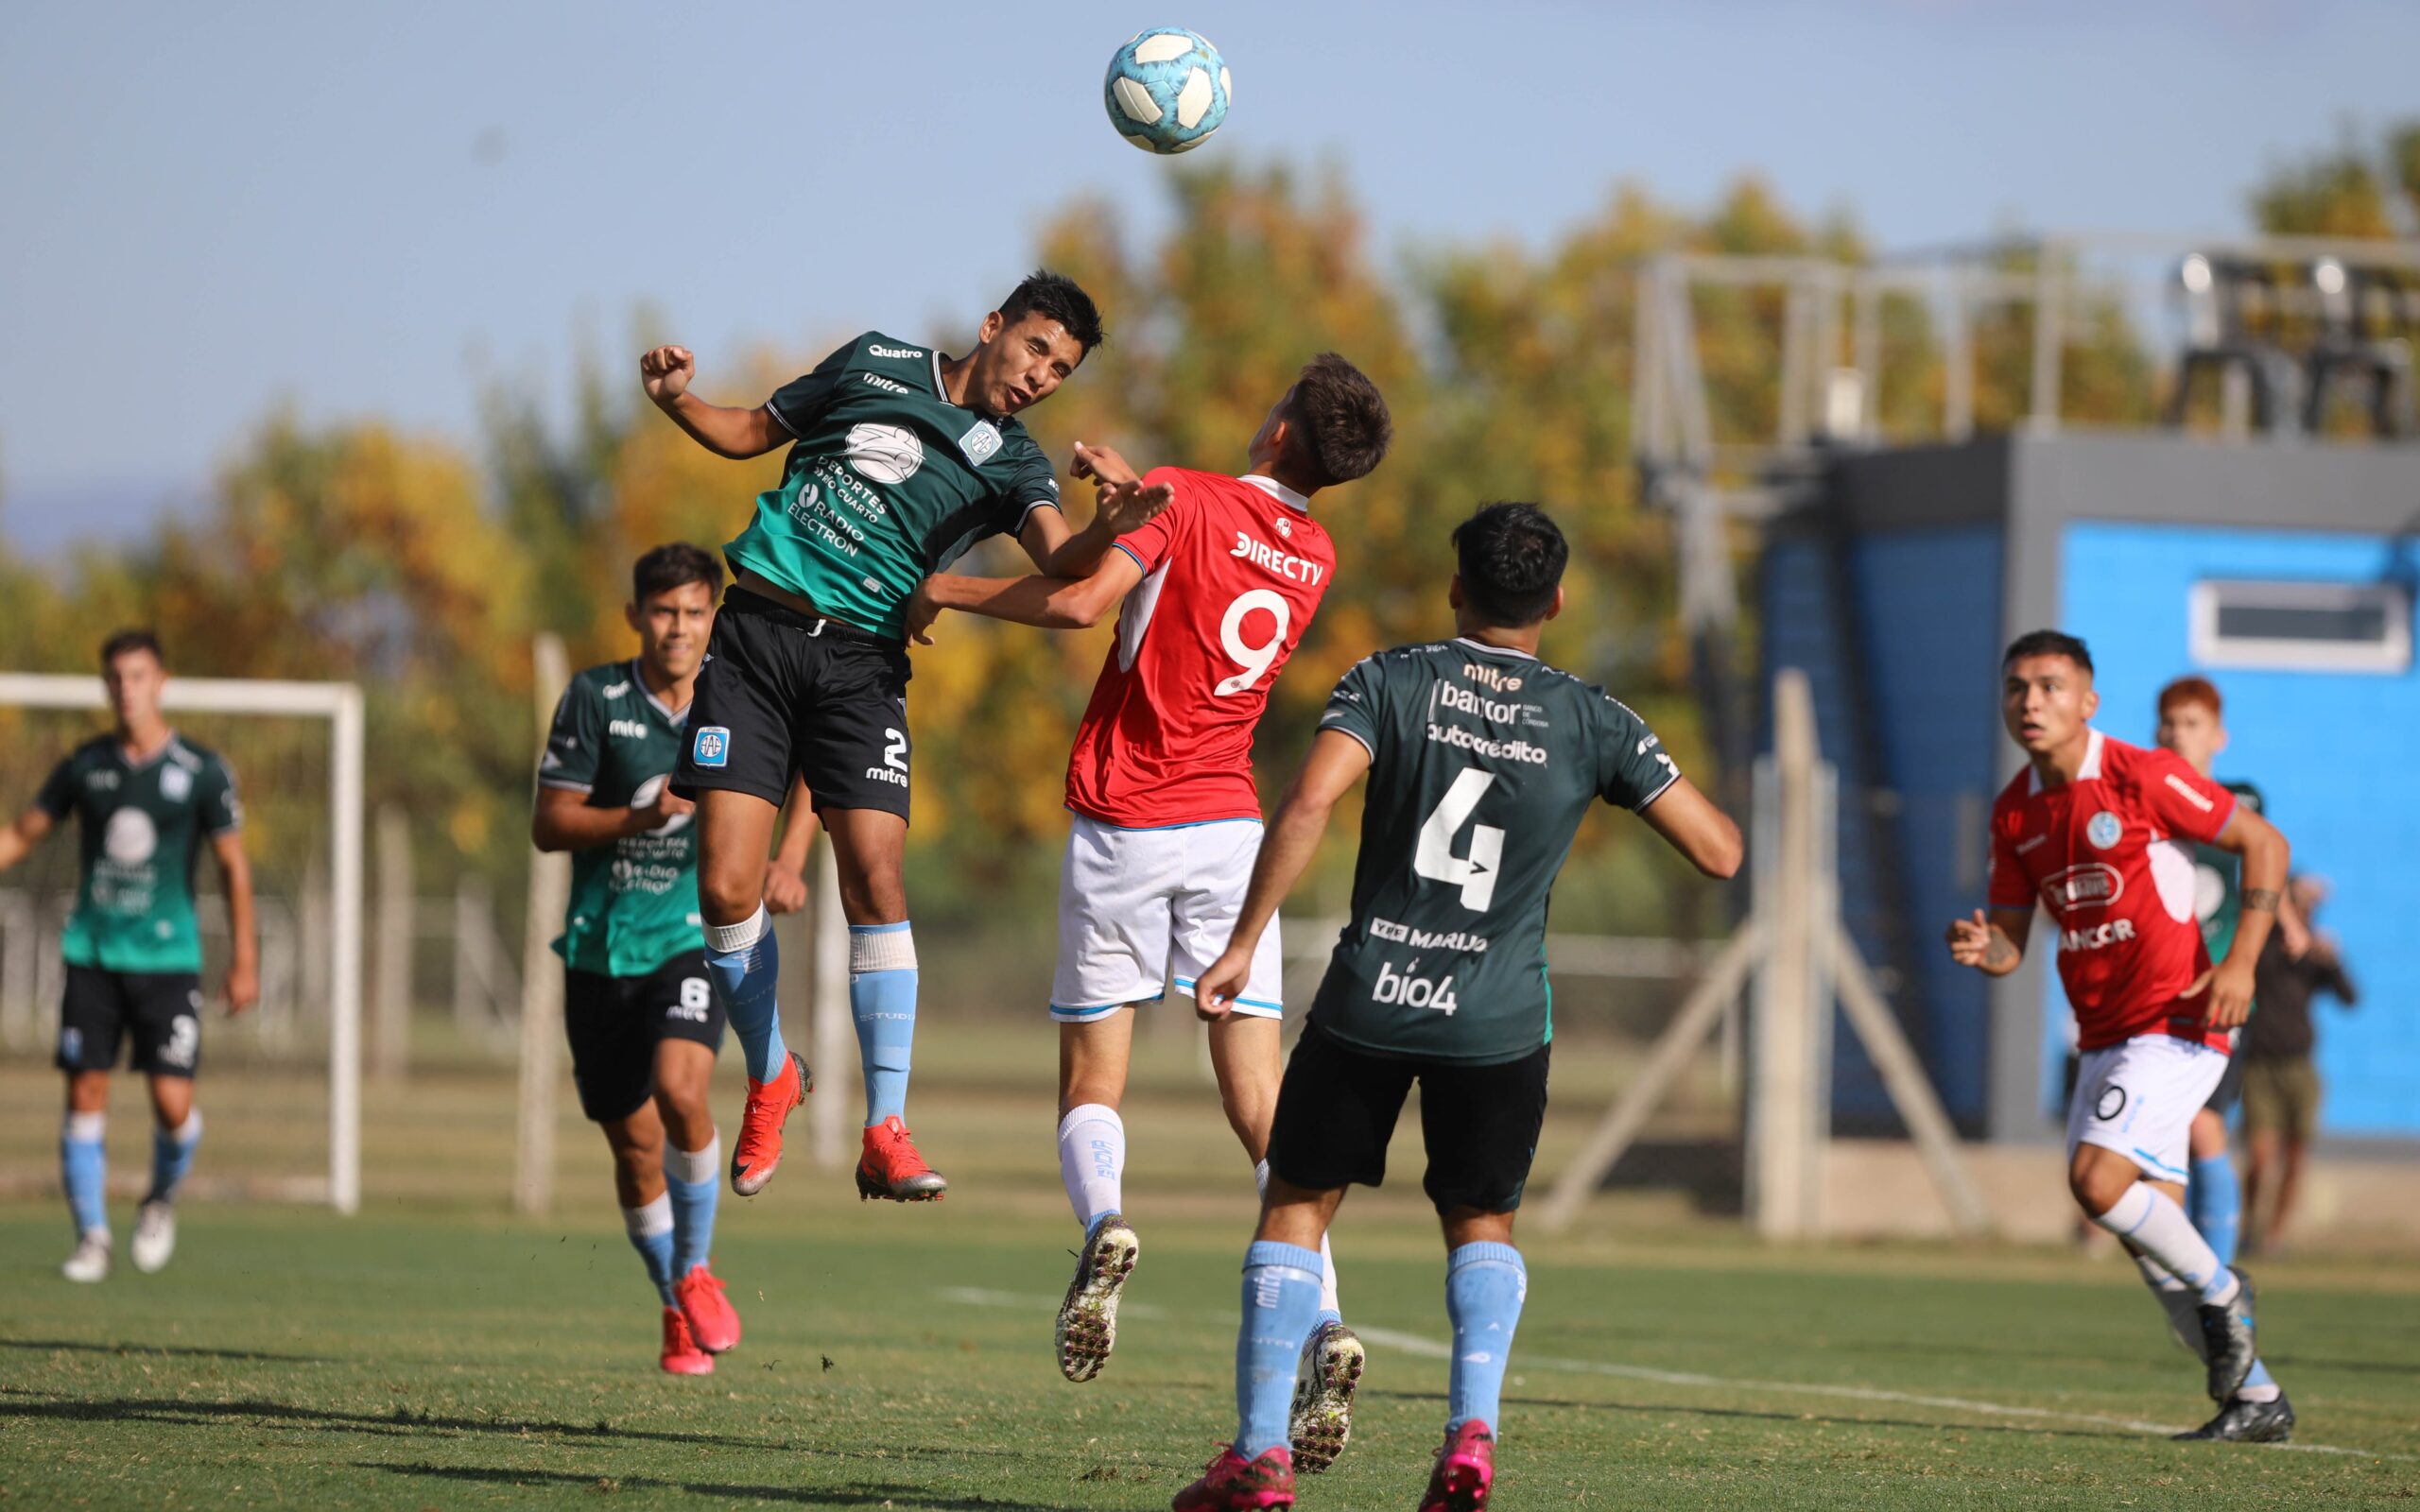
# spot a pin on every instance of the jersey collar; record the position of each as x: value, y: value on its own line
x: 2089, y: 770
x: 676, y: 718
x: 1493, y: 650
x: 1279, y: 491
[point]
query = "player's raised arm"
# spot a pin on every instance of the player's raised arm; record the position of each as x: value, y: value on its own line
x: 666, y: 373
x: 22, y: 836
x: 2266, y: 856
x: 1050, y: 603
x: 1336, y: 763
x: 1123, y: 504
x: 1690, y: 823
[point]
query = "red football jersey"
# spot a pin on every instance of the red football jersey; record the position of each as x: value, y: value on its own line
x: 2110, y: 855
x: 1232, y: 571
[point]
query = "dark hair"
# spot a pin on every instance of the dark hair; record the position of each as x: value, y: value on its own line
x: 2193, y: 689
x: 135, y: 638
x: 1337, y: 424
x: 2047, y: 643
x: 674, y: 564
x: 1512, y: 558
x: 1055, y: 297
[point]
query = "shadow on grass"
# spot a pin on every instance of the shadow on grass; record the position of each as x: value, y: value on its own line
x: 177, y: 1351
x: 860, y: 1494
x: 402, y: 1422
x: 1674, y: 1410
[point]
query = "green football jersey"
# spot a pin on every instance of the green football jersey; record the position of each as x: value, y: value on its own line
x: 1483, y: 763
x: 887, y: 483
x: 140, y: 829
x: 2218, y: 882
x: 633, y: 902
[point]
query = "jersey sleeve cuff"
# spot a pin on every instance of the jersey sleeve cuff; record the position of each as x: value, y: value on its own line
x: 1119, y: 546
x: 1640, y: 807
x: 1344, y: 729
x: 775, y: 409
x: 566, y: 786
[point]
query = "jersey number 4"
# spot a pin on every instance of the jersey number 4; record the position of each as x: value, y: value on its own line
x: 1434, y: 856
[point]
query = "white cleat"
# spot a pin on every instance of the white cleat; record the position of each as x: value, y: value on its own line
x: 1088, y: 1318
x: 1321, y: 1419
x: 91, y: 1261
x: 155, y: 1236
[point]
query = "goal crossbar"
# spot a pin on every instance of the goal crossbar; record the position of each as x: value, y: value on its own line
x: 340, y: 703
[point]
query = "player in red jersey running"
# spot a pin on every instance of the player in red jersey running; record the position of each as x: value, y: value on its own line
x: 1218, y: 591
x: 2101, y: 835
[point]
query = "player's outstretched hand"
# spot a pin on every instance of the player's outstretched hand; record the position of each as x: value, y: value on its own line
x: 1130, y: 506
x: 1970, y: 939
x: 664, y: 372
x: 922, y: 611
x: 243, y: 987
x: 1102, y: 464
x: 1215, y: 992
x: 784, y: 889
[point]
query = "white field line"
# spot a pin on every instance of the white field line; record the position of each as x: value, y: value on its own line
x: 1415, y: 1344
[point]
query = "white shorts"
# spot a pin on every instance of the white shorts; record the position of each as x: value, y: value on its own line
x: 2138, y: 1097
x: 1135, y: 906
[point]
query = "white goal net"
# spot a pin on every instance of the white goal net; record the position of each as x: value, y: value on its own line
x: 297, y: 752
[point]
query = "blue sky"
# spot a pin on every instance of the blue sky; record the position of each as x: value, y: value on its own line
x: 356, y: 210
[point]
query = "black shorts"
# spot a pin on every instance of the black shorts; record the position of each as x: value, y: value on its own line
x: 615, y: 1023
x: 782, y: 695
x: 2230, y: 1087
x: 160, y: 1010
x: 1338, y: 1106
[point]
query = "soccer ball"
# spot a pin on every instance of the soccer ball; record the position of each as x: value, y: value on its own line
x: 1167, y: 90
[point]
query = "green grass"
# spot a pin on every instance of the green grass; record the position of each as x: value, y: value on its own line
x: 434, y: 1353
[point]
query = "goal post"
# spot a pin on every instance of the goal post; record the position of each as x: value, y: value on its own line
x: 340, y: 703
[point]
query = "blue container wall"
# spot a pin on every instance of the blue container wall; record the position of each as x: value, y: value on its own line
x: 2332, y: 753
x: 1928, y: 604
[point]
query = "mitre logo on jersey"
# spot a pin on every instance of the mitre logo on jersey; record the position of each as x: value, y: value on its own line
x: 631, y: 729
x: 876, y: 380
x: 175, y: 783
x: 2105, y: 828
x: 130, y: 837
x: 981, y: 441
x: 887, y: 454
x: 1480, y: 672
x: 2093, y: 885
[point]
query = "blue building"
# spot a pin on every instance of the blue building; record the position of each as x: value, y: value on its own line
x: 2284, y: 572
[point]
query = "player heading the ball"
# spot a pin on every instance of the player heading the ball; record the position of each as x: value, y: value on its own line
x: 1218, y: 591
x: 901, y: 457
x: 144, y: 799
x: 2102, y: 835
x: 1482, y: 761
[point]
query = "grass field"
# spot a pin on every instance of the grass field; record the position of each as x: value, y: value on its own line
x: 434, y: 1353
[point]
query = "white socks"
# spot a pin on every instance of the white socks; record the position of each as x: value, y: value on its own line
x: 1092, y: 1160
x: 694, y: 1166
x: 2148, y: 1219
x: 1327, y: 1258
x: 724, y: 938
x: 651, y: 1219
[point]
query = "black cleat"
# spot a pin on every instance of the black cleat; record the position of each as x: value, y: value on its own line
x: 2247, y: 1422
x: 2227, y: 1341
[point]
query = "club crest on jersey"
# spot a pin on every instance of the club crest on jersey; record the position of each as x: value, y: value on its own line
x: 979, y: 442
x: 1283, y: 528
x: 175, y: 783
x: 2104, y: 829
x: 711, y: 746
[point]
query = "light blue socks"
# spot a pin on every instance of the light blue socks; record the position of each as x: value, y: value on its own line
x: 693, y: 1184
x: 1281, y: 1301
x: 2214, y: 1200
x: 1485, y: 1284
x: 84, y: 1169
x: 651, y: 1235
x: 882, y: 1001
x: 172, y: 1152
x: 742, y: 961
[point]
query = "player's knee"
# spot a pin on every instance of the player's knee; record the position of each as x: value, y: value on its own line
x: 2098, y: 1187
x: 728, y: 894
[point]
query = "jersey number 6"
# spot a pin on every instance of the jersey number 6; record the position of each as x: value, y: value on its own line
x: 1434, y: 856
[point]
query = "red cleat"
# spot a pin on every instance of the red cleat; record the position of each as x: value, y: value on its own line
x: 1465, y: 1470
x: 892, y: 1169
x: 759, y: 1149
x: 1235, y: 1483
x: 682, y: 1356
x: 712, y: 1321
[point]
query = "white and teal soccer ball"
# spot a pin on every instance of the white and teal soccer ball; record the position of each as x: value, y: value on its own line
x: 1167, y: 90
